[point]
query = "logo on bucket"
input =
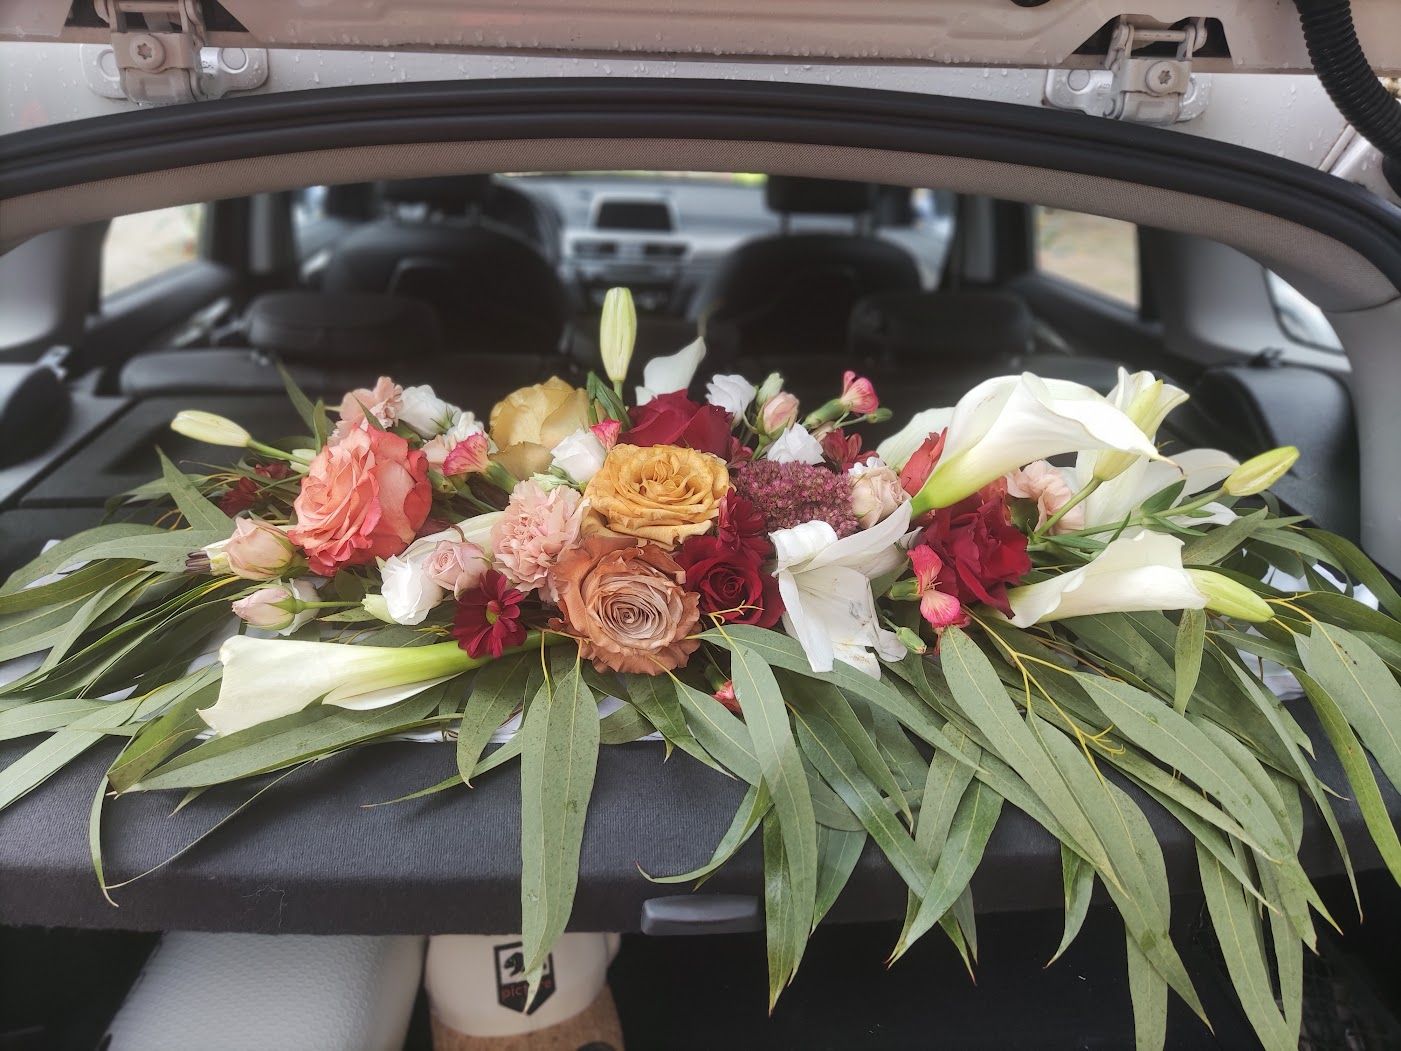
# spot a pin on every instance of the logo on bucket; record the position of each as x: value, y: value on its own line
x: 511, y: 988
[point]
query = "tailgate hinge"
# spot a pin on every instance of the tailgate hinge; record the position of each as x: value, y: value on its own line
x: 1138, y: 89
x: 161, y: 58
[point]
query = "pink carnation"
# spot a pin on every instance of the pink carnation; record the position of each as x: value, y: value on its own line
x: 534, y: 531
x: 383, y: 403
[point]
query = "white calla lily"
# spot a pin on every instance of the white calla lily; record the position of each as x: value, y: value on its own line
x: 267, y: 679
x: 900, y: 446
x: 1117, y: 499
x: 1135, y: 573
x: 1008, y: 422
x: 671, y: 372
x: 825, y: 583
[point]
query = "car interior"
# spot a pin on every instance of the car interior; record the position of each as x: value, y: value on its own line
x: 481, y: 284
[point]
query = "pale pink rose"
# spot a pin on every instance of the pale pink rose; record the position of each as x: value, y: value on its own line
x: 1043, y: 483
x: 778, y: 413
x: 534, y: 531
x: 875, y: 493
x: 259, y: 550
x: 858, y: 394
x: 383, y: 403
x: 457, y: 566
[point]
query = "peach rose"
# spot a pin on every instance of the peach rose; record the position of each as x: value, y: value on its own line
x: 383, y: 403
x: 457, y: 566
x: 528, y: 423
x: 1041, y: 482
x: 663, y: 493
x: 259, y: 550
x: 363, y: 498
x: 625, y: 602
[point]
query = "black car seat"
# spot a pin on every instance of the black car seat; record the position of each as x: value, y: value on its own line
x: 791, y: 294
x: 492, y: 289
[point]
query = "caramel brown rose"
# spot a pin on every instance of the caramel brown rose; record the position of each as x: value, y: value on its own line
x: 662, y: 493
x: 624, y: 601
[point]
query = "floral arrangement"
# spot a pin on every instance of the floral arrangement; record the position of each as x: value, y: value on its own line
x: 884, y: 644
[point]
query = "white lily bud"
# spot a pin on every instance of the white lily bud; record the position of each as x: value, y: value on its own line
x: 1260, y: 472
x: 210, y: 428
x: 617, y: 333
x: 1225, y: 596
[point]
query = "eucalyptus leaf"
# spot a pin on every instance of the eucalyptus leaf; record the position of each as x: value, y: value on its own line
x: 752, y: 810
x: 1362, y: 686
x: 497, y: 690
x: 198, y: 511
x: 1187, y: 665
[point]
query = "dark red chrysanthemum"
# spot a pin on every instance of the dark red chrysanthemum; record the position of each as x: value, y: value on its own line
x: 741, y: 525
x: 980, y: 552
x: 488, y: 618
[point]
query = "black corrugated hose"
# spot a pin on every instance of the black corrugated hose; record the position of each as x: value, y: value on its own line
x: 1347, y: 76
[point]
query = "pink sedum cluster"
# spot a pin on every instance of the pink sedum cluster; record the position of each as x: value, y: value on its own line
x: 789, y: 494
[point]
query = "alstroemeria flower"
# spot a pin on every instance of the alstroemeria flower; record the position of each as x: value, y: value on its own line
x: 1139, y: 572
x: 1121, y: 496
x: 825, y: 583
x: 1008, y: 422
x: 939, y: 609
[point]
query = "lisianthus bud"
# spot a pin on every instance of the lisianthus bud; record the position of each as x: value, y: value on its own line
x: 617, y: 332
x: 1260, y: 472
x: 858, y: 394
x: 257, y: 550
x: 726, y: 696
x: 210, y: 428
x: 377, y: 607
x: 769, y: 389
x: 278, y: 607
x: 580, y: 455
x: 1229, y: 598
x: 911, y: 641
x: 779, y: 413
x: 425, y: 413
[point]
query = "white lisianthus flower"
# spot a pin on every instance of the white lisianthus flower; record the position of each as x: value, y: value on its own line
x: 580, y: 455
x: 732, y: 393
x: 1139, y: 572
x: 795, y: 445
x: 826, y: 587
x: 671, y: 372
x: 408, y: 590
x: 426, y: 414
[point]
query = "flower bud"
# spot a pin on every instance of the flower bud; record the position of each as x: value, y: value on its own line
x: 257, y: 550
x: 769, y: 388
x: 377, y: 607
x: 617, y: 333
x: 779, y: 413
x: 469, y: 456
x: 726, y: 696
x: 858, y: 394
x: 1260, y: 472
x: 209, y: 428
x: 278, y: 607
x: 911, y: 641
x: 1225, y: 596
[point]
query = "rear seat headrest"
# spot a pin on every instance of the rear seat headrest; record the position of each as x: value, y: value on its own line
x: 793, y: 195
x: 342, y: 325
x: 442, y: 193
x: 974, y: 324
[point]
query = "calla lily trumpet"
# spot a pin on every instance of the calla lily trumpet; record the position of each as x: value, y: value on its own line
x: 1115, y: 500
x: 672, y: 372
x: 1136, y: 573
x: 1007, y: 422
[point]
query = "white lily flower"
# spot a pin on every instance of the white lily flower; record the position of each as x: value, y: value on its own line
x: 1138, y: 572
x: 425, y: 413
x: 1008, y: 422
x: 900, y: 446
x: 580, y: 455
x: 1124, y: 494
x: 267, y: 679
x: 408, y: 592
x: 795, y: 445
x: 734, y: 394
x: 672, y: 372
x: 826, y: 587
x: 1146, y: 400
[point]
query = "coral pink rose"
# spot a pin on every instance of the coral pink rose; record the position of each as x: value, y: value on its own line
x: 363, y: 498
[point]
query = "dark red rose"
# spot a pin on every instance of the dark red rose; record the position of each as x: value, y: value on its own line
x: 488, y: 618
x: 730, y: 581
x: 674, y: 419
x: 921, y: 465
x: 245, y: 492
x: 981, y: 551
x: 741, y: 525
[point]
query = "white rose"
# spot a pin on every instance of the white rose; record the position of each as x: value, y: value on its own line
x: 732, y: 393
x: 426, y: 413
x: 409, y: 592
x: 795, y: 445
x: 462, y: 428
x: 580, y: 455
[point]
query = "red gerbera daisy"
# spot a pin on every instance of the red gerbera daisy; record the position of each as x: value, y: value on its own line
x: 488, y: 617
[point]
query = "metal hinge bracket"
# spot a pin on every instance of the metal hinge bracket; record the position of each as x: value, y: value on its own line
x: 163, y: 58
x: 1138, y: 89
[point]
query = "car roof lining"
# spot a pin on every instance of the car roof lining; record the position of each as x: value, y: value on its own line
x: 1334, y: 275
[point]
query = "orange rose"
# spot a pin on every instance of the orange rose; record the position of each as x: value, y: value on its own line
x: 662, y: 493
x: 363, y: 498
x: 624, y: 601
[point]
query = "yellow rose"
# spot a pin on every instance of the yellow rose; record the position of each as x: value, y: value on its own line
x: 528, y: 423
x: 661, y: 493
